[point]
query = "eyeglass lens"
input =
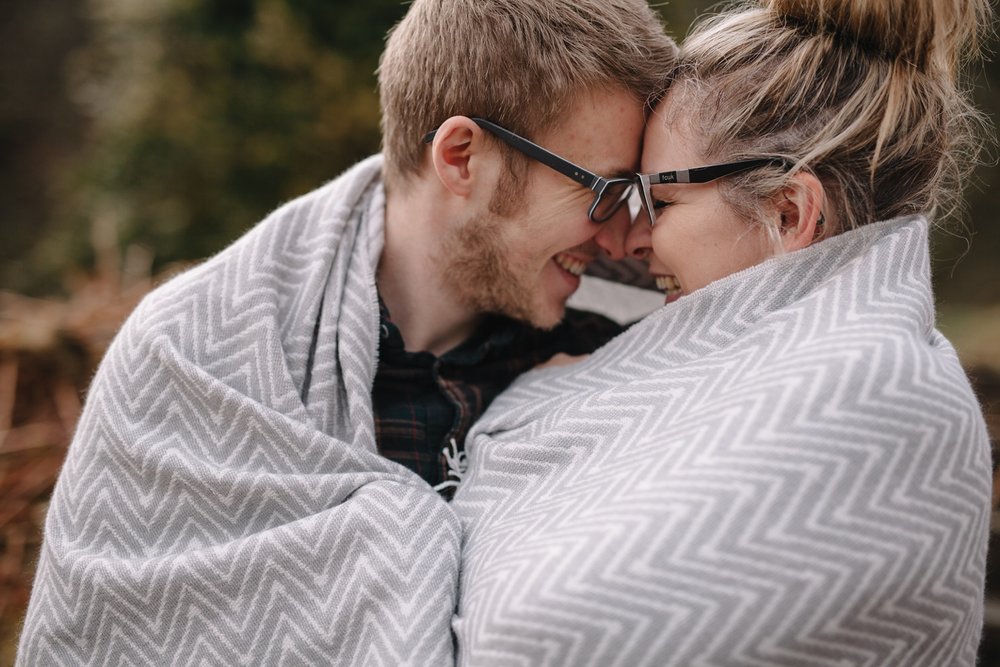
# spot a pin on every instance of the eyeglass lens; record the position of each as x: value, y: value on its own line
x: 611, y: 199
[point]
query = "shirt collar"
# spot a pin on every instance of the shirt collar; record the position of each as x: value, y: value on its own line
x: 495, y: 332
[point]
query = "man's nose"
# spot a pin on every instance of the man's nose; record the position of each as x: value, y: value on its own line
x: 612, y: 233
x: 639, y: 241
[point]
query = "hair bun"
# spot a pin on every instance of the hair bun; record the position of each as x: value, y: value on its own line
x: 923, y: 33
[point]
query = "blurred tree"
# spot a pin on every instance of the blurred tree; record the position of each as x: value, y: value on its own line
x: 40, y: 129
x: 205, y: 114
x: 966, y: 252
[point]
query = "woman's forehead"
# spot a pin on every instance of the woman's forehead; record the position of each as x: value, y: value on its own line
x: 668, y: 143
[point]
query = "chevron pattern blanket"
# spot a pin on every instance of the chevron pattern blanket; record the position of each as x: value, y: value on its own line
x: 222, y: 502
x: 787, y: 467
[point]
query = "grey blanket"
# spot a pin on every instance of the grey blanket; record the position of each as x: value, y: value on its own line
x: 787, y: 467
x: 222, y: 502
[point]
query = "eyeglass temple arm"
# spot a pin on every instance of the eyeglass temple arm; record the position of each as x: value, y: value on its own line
x: 712, y: 172
x: 585, y: 178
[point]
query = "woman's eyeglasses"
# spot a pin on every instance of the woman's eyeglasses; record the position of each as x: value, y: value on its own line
x: 697, y: 175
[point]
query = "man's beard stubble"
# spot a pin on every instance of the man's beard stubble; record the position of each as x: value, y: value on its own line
x: 474, y: 266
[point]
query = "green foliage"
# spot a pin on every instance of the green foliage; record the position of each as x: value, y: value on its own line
x: 206, y: 114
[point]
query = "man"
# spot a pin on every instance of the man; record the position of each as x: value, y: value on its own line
x: 474, y: 226
x: 234, y: 492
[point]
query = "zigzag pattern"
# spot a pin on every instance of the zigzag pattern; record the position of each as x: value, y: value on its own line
x: 785, y: 468
x: 223, y: 502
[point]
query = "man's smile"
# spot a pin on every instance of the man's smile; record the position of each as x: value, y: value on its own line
x: 570, y: 263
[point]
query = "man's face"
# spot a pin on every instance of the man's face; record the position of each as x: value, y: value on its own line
x: 527, y: 263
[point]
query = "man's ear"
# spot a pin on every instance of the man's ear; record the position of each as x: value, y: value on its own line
x: 799, y: 206
x: 455, y: 153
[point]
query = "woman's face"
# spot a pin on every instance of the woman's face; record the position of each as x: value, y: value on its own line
x: 697, y: 238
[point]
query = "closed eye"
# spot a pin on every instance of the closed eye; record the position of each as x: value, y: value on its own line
x: 659, y: 203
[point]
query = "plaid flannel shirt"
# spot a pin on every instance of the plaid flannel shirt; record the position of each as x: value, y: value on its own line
x: 421, y: 401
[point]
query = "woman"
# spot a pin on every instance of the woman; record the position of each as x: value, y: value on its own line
x: 785, y: 465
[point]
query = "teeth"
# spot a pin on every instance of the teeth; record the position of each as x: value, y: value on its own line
x: 668, y: 284
x: 573, y: 266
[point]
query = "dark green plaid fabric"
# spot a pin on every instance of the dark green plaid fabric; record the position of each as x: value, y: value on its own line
x: 422, y: 402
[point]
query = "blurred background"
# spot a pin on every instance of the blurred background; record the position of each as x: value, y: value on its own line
x: 139, y: 137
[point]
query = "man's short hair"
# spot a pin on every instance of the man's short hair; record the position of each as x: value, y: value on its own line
x: 520, y: 63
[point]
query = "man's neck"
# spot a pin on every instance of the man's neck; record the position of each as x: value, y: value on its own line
x: 410, y: 281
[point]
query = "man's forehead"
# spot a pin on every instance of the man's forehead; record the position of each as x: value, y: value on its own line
x: 604, y: 139
x: 617, y: 161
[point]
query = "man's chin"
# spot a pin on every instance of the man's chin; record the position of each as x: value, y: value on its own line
x: 547, y: 317
x: 539, y: 313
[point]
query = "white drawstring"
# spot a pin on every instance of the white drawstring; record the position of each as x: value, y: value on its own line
x: 457, y: 465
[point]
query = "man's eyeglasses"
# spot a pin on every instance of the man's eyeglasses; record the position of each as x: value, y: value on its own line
x: 609, y: 193
x: 697, y: 175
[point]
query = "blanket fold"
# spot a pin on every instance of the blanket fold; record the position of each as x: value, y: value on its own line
x: 223, y: 501
x: 787, y: 467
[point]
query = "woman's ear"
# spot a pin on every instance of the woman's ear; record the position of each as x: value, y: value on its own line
x: 458, y: 144
x: 800, y: 209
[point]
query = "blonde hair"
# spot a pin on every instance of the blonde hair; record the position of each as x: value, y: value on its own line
x: 865, y: 94
x: 519, y: 63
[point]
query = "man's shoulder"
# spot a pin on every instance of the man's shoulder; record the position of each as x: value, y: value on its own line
x: 582, y: 332
x: 577, y: 317
x: 280, y: 261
